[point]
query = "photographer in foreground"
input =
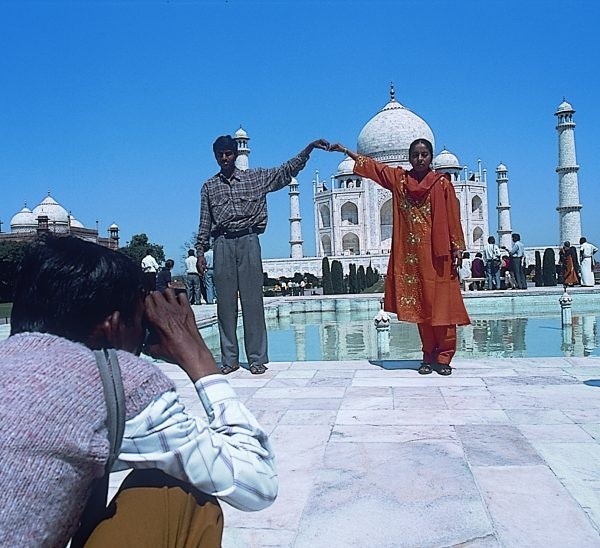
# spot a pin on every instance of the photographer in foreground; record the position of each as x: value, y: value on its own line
x: 71, y: 297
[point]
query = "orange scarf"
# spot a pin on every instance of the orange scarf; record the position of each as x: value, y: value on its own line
x: 418, y: 192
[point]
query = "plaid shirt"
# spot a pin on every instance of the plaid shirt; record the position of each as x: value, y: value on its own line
x: 241, y: 202
x: 227, y: 454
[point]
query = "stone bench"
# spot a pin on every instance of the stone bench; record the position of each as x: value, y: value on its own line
x: 468, y: 281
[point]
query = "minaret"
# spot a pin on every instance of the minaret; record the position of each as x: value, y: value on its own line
x: 503, y: 207
x: 295, y: 226
x: 568, y: 186
x: 241, y: 162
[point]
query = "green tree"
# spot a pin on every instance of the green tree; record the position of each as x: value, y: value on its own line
x: 362, y: 278
x: 337, y: 277
x: 311, y: 279
x: 539, y: 280
x: 11, y: 254
x: 326, y: 280
x: 352, y: 280
x: 549, y: 267
x: 139, y: 246
x: 371, y: 279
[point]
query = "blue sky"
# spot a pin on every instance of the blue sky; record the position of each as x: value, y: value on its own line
x: 113, y: 106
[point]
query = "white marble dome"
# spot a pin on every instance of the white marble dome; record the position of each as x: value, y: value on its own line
x: 241, y: 134
x: 75, y: 223
x: 446, y: 160
x: 565, y: 107
x: 388, y: 135
x: 346, y: 166
x: 501, y: 167
x: 24, y: 220
x: 51, y: 208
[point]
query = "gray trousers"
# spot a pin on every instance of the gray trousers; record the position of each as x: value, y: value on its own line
x: 238, y: 268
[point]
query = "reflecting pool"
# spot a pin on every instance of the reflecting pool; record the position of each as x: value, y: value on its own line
x: 351, y: 335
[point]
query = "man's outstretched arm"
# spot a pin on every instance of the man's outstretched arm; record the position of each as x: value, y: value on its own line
x: 226, y: 453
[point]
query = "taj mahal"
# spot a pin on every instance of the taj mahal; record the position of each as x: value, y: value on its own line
x: 353, y: 215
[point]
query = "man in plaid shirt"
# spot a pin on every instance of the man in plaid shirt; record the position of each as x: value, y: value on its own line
x: 233, y: 212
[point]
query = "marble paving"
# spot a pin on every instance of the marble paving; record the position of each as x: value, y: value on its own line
x: 502, y: 453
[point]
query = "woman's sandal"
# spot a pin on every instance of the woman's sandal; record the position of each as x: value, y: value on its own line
x: 425, y: 369
x: 444, y: 369
x: 257, y: 368
x: 226, y: 369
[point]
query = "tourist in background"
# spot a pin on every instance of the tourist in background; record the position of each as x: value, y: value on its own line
x: 509, y: 283
x: 464, y: 270
x: 163, y: 280
x: 422, y: 285
x: 517, y: 256
x: 192, y: 278
x: 567, y: 258
x: 586, y: 252
x: 233, y: 213
x: 478, y: 271
x: 491, y: 256
x: 209, y: 280
x: 150, y: 269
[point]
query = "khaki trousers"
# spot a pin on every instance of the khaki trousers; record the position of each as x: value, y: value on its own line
x: 153, y: 510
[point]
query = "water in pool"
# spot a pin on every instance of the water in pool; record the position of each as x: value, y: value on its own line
x: 352, y: 336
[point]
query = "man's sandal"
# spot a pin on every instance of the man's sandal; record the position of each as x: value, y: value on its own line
x: 257, y: 368
x: 424, y: 369
x: 444, y: 369
x: 226, y: 369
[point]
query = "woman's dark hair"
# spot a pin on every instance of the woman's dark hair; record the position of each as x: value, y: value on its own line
x: 66, y: 286
x: 491, y: 240
x: 420, y: 142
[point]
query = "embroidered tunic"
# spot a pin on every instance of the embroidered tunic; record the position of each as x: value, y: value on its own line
x: 421, y: 285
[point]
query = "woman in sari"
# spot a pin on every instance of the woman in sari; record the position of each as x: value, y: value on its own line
x: 570, y: 264
x: 422, y: 285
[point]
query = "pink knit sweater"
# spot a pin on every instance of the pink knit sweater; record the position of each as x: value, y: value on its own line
x: 53, y: 441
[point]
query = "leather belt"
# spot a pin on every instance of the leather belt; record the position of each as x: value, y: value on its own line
x: 231, y: 234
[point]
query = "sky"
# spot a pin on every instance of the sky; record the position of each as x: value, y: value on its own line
x: 112, y: 107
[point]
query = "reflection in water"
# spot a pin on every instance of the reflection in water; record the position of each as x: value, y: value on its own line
x: 352, y: 336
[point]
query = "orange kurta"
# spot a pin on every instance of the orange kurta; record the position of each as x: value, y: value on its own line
x: 421, y: 285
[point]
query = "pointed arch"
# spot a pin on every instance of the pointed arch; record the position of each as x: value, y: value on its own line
x: 350, y: 244
x: 349, y: 213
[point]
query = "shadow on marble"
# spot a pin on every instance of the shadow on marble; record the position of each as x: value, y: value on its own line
x: 391, y: 365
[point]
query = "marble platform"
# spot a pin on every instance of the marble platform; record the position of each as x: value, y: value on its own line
x: 502, y: 453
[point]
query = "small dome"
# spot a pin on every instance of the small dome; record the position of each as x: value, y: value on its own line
x: 346, y: 166
x: 501, y: 167
x: 388, y: 135
x: 55, y: 212
x: 75, y: 223
x: 565, y: 107
x: 113, y: 227
x: 241, y: 134
x: 24, y: 219
x: 445, y: 160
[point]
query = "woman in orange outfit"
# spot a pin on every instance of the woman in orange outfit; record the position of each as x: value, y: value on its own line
x: 422, y: 285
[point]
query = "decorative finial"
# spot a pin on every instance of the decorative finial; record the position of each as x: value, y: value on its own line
x: 392, y: 98
x: 48, y: 192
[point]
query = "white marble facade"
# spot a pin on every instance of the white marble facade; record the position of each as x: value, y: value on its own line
x: 353, y: 215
